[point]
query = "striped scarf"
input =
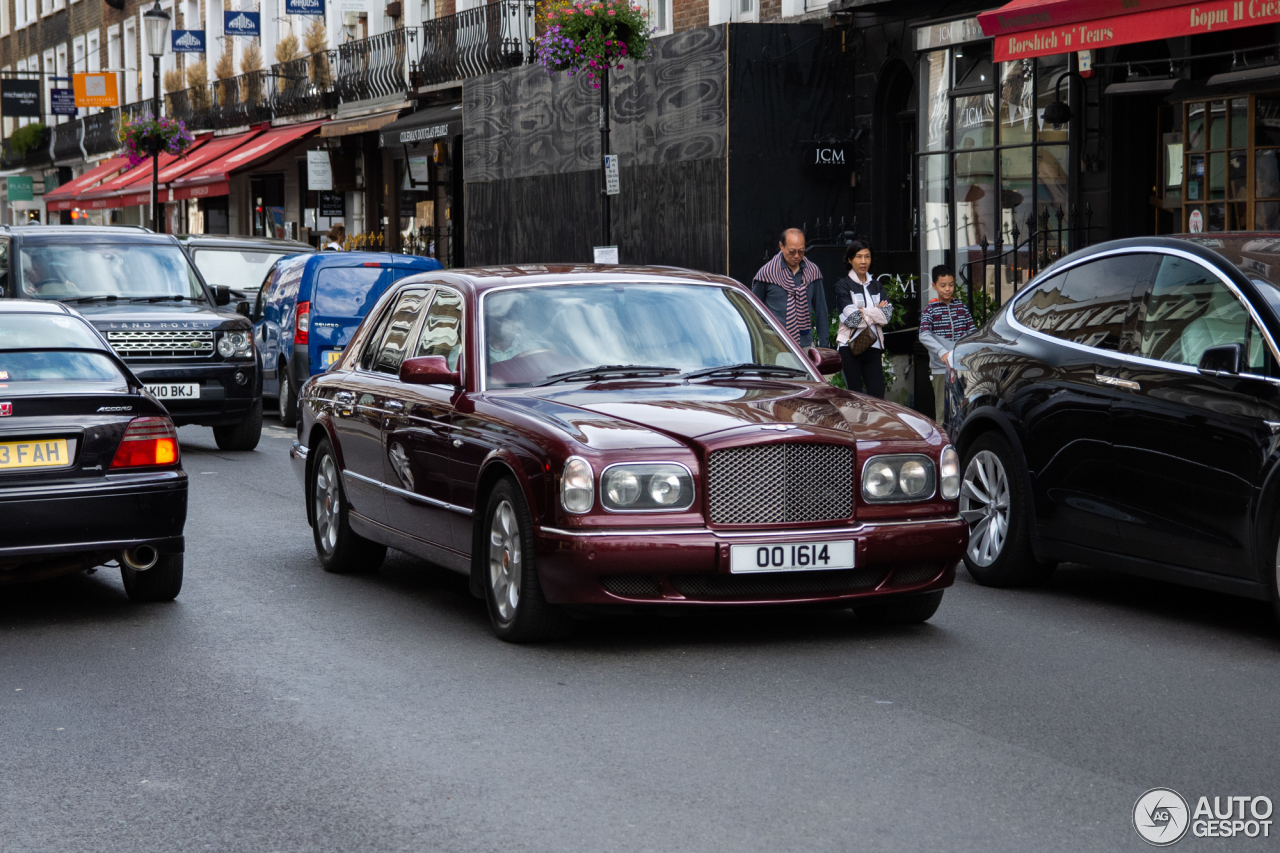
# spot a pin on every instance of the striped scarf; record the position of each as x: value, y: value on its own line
x: 797, y: 321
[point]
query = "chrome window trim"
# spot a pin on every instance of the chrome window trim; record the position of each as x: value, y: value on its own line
x: 1138, y: 359
x: 862, y: 476
x: 863, y: 527
x: 482, y: 326
x: 461, y: 510
x: 693, y: 497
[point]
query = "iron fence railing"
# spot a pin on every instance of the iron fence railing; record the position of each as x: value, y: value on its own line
x: 304, y: 85
x: 66, y: 140
x: 100, y: 132
x: 372, y: 67
x: 1004, y: 271
x: 240, y: 100
x: 475, y: 41
x: 431, y: 242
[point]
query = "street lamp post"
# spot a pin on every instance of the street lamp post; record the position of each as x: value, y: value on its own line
x: 156, y: 21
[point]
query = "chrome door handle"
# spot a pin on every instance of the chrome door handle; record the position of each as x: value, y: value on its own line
x: 395, y: 405
x: 1116, y: 382
x: 457, y: 442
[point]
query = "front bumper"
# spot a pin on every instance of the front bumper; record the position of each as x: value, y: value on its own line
x: 122, y: 511
x: 684, y: 566
x: 223, y: 399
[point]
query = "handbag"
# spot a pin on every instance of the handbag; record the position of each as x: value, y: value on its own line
x: 862, y: 342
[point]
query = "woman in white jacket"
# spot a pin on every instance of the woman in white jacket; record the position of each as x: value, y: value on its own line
x: 862, y: 303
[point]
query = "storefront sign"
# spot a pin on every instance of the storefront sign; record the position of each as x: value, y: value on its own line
x: 827, y: 155
x: 418, y: 134
x: 1195, y: 222
x: 605, y: 254
x: 241, y: 24
x: 20, y: 188
x: 20, y: 98
x: 95, y: 90
x: 63, y: 101
x: 188, y: 41
x: 319, y: 171
x: 333, y: 205
x: 420, y: 169
x: 1152, y: 25
x: 945, y: 35
x: 612, y: 180
x: 304, y: 7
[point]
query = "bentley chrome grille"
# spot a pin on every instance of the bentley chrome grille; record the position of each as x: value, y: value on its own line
x: 778, y: 483
x: 161, y: 343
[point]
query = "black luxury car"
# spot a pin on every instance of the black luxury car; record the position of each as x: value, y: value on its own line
x: 89, y: 461
x: 1123, y: 410
x: 143, y: 293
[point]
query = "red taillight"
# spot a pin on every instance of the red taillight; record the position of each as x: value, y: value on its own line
x: 301, y: 322
x: 147, y: 442
x: 371, y: 264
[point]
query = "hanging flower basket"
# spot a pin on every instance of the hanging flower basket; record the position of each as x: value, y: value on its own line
x: 144, y: 137
x: 592, y: 37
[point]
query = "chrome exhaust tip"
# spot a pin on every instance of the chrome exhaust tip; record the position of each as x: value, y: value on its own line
x: 140, y: 558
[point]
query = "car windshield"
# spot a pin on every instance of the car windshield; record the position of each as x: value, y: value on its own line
x: 239, y: 269
x: 38, y: 353
x: 90, y: 271
x: 537, y: 333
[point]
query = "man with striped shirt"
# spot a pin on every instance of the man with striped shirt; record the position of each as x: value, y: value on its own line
x: 791, y: 287
x: 944, y: 322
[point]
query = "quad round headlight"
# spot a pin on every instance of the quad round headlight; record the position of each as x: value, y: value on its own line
x: 899, y: 478
x: 646, y: 487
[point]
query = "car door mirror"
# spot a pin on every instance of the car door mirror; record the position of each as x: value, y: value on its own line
x: 242, y: 308
x: 428, y: 370
x: 1226, y: 358
x: 826, y: 360
x: 221, y: 294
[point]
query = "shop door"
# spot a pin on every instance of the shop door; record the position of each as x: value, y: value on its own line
x: 267, y: 194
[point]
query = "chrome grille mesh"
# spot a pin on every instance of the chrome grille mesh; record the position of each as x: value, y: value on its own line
x: 777, y: 483
x: 161, y: 343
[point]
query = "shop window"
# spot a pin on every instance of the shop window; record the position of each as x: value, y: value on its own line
x: 1222, y: 172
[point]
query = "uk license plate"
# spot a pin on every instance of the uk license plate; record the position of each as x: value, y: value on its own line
x: 47, y: 453
x: 175, y: 391
x: 331, y: 356
x: 791, y: 557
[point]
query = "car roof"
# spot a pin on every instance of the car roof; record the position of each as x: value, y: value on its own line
x: 80, y: 229
x: 55, y: 235
x: 480, y: 279
x: 34, y: 306
x: 319, y: 260
x: 234, y: 241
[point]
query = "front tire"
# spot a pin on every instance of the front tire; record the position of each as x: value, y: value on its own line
x: 161, y: 582
x: 288, y: 399
x: 900, y: 609
x: 244, y: 435
x: 518, y: 611
x: 341, y: 549
x: 993, y: 500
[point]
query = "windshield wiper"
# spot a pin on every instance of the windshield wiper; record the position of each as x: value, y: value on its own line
x: 602, y: 370
x: 172, y: 298
x: 745, y: 367
x: 86, y: 299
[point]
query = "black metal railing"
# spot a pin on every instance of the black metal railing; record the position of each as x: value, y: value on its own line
x: 66, y: 140
x: 100, y: 132
x: 372, y: 67
x: 304, y: 85
x: 1004, y: 271
x: 475, y: 41
x: 240, y: 100
x: 431, y: 242
x: 192, y: 106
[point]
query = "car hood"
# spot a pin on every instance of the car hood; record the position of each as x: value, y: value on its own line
x: 610, y: 413
x: 118, y: 316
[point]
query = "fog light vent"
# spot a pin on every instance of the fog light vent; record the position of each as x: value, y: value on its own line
x: 631, y: 586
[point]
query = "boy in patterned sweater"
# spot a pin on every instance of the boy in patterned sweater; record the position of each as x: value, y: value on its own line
x: 943, y: 323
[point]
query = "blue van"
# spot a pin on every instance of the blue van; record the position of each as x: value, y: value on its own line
x: 308, y: 309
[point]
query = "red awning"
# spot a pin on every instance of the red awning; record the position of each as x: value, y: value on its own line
x: 214, y: 177
x: 111, y: 193
x: 1118, y: 29
x: 64, y: 197
x: 1038, y: 14
x: 208, y: 152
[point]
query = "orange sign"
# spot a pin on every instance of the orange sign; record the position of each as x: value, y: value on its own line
x: 95, y: 90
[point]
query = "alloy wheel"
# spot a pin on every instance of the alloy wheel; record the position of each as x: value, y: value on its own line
x: 327, y: 503
x: 504, y: 560
x: 282, y: 399
x: 984, y: 504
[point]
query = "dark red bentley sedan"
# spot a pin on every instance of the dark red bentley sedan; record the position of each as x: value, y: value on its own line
x: 576, y: 436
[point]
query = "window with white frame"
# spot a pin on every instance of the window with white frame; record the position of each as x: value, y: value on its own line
x: 660, y: 16
x: 32, y: 12
x: 93, y: 58
x: 50, y: 68
x: 77, y: 54
x: 721, y: 11
x: 428, y: 9
x: 130, y: 62
x: 4, y: 19
x: 59, y: 4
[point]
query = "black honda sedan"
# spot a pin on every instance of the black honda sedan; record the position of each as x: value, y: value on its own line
x: 1123, y: 410
x: 89, y: 467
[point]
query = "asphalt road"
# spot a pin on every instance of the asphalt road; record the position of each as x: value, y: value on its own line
x: 274, y: 707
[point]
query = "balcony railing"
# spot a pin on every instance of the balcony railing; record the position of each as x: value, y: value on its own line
x: 475, y: 41
x: 66, y: 140
x: 305, y: 85
x: 373, y: 67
